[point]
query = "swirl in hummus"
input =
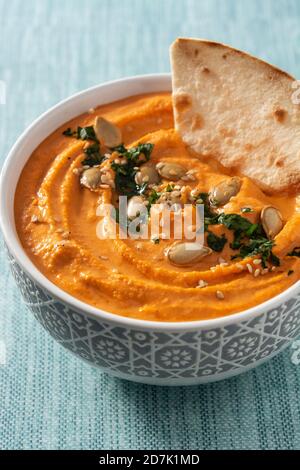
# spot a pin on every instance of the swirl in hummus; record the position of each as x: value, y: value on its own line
x: 56, y: 221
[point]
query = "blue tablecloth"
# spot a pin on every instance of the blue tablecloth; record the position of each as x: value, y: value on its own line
x: 50, y: 49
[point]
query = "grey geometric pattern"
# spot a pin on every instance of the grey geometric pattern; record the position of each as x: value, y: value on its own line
x: 161, y: 355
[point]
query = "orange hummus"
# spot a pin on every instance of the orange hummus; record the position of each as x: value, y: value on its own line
x: 56, y: 221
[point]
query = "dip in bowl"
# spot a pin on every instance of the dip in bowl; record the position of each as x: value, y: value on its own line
x: 125, y: 305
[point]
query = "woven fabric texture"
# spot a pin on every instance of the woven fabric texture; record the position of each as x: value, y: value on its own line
x: 48, y: 398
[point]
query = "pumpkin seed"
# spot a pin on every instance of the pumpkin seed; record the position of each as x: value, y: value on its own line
x: 220, y: 194
x: 271, y: 220
x: 220, y: 295
x: 107, y: 132
x: 171, y: 171
x: 135, y: 207
x: 91, y: 178
x: 147, y: 174
x: 187, y: 253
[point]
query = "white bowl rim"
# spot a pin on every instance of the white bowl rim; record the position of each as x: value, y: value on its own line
x: 7, y: 226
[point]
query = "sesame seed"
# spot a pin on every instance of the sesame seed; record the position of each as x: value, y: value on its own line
x: 273, y: 268
x: 256, y: 273
x: 240, y: 266
x: 104, y: 186
x: 34, y: 219
x: 250, y: 268
x: 257, y: 261
x: 159, y: 165
x: 103, y: 257
x: 220, y: 295
x: 202, y: 283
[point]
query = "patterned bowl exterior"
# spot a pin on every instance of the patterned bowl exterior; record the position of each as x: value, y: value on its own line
x: 162, y: 357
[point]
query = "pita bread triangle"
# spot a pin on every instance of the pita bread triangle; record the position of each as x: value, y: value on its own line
x: 239, y: 110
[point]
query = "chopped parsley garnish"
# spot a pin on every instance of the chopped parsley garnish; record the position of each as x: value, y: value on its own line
x: 86, y: 133
x: 273, y: 259
x: 134, y: 153
x: 124, y: 179
x: 153, y: 197
x: 246, y: 210
x: 169, y: 188
x: 260, y: 246
x: 120, y: 149
x: 69, y: 133
x: 250, y: 239
x: 82, y: 133
x: 295, y: 252
x: 215, y: 242
x: 92, y: 155
x: 210, y: 218
x: 236, y: 222
x: 125, y: 174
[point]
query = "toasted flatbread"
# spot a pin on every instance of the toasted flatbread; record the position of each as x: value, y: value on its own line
x: 239, y: 110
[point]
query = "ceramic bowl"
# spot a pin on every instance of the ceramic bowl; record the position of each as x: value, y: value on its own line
x: 143, y: 351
